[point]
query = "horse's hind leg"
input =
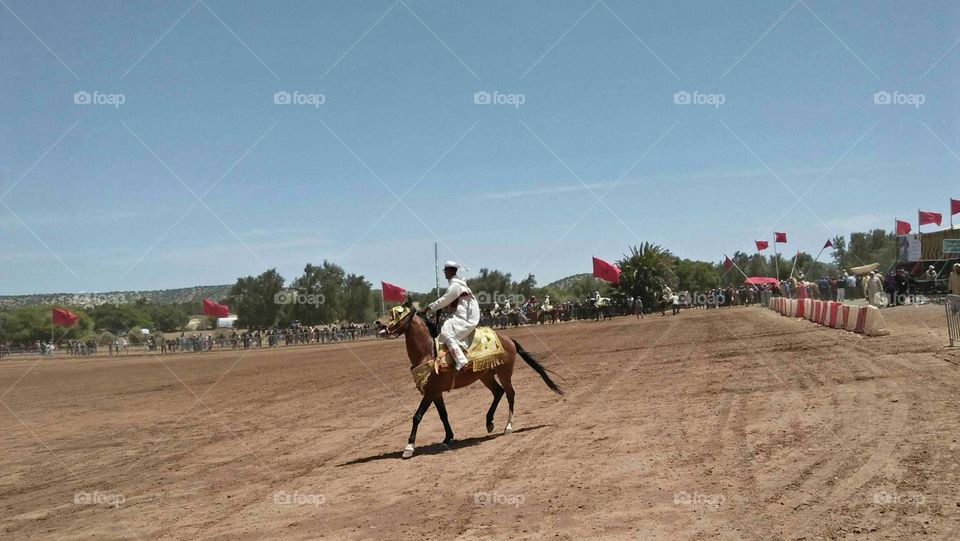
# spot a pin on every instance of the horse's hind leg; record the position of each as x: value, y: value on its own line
x: 495, y: 388
x: 504, y: 377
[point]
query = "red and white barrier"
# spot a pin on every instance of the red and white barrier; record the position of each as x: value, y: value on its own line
x: 833, y: 319
x: 866, y: 320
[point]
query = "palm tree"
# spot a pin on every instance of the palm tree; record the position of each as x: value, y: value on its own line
x: 644, y: 273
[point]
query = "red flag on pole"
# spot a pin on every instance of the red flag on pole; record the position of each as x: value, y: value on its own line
x: 392, y: 293
x: 954, y: 206
x: 930, y: 217
x: 606, y: 271
x: 211, y: 308
x: 761, y: 244
x: 903, y: 228
x: 64, y: 318
x: 828, y: 244
x: 779, y: 237
x: 728, y: 263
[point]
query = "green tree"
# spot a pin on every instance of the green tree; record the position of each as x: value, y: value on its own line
x: 31, y: 323
x: 120, y: 318
x: 876, y: 246
x: 526, y: 287
x: 697, y: 275
x: 254, y: 300
x: 488, y: 285
x: 356, y: 296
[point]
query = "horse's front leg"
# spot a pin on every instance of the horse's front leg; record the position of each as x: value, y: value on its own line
x: 424, y: 406
x: 442, y: 410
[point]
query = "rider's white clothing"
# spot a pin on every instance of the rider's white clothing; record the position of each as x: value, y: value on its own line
x: 466, y: 317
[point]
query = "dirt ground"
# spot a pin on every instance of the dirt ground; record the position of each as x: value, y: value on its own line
x: 730, y: 424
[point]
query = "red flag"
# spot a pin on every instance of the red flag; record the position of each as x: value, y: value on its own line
x: 392, y: 293
x: 64, y: 318
x: 828, y: 244
x: 954, y: 206
x: 606, y: 271
x: 728, y: 263
x: 903, y: 228
x: 779, y: 237
x: 211, y: 308
x: 930, y: 217
x: 761, y: 244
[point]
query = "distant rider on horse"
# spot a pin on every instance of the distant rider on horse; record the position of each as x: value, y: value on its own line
x: 466, y: 314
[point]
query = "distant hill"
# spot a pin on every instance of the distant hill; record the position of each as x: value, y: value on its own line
x: 156, y: 296
x: 564, y: 283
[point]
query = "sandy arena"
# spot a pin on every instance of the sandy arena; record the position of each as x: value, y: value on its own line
x: 729, y: 424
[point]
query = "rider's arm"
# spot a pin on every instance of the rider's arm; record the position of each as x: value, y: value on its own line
x: 453, y: 292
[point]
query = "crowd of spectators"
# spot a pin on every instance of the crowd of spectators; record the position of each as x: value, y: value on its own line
x: 320, y: 334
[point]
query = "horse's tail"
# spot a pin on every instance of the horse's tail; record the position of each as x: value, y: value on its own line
x: 544, y: 373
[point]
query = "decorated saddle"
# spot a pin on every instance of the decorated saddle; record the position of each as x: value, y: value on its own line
x: 485, y: 352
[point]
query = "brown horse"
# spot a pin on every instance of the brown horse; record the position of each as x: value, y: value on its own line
x: 420, y: 348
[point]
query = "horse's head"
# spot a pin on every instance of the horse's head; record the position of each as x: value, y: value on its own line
x: 395, y: 322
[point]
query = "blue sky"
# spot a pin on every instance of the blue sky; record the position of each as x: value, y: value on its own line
x: 199, y: 177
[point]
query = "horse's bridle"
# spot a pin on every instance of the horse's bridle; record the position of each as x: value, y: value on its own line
x: 401, y: 326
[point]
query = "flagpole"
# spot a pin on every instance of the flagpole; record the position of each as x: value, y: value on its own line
x: 382, y: 310
x: 776, y: 256
x: 794, y: 267
x: 817, y: 258
x: 436, y: 269
x: 736, y: 266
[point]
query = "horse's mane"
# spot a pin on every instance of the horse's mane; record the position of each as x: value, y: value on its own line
x: 431, y: 326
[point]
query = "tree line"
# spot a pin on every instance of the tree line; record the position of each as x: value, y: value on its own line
x: 326, y: 293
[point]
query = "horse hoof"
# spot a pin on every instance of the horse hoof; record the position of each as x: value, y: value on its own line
x: 408, y: 451
x: 508, y: 430
x: 489, y: 428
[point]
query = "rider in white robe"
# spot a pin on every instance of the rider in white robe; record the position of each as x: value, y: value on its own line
x: 466, y: 314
